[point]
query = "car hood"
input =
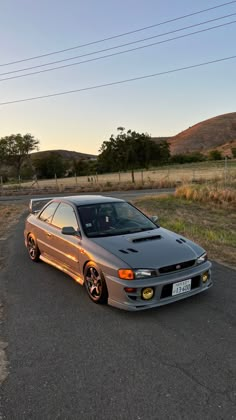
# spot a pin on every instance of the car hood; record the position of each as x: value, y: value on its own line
x: 152, y: 249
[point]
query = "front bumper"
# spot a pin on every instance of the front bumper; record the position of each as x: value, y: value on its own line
x: 162, y: 286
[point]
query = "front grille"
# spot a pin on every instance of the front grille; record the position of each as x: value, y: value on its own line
x: 176, y: 267
x: 167, y: 289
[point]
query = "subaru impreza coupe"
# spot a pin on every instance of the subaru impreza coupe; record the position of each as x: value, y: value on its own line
x: 120, y: 255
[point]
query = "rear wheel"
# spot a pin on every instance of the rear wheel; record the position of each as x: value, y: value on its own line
x: 32, y: 247
x: 95, y: 283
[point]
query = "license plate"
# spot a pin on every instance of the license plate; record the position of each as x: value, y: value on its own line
x: 181, y: 287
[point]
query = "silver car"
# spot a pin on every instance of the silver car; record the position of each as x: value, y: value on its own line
x: 120, y: 255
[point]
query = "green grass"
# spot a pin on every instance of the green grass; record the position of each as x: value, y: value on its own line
x: 211, y: 226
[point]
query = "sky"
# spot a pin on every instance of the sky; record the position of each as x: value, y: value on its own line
x: 161, y: 106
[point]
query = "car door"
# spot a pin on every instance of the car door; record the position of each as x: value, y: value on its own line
x: 65, y: 248
x: 43, y: 230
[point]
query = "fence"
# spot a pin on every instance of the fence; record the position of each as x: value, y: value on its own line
x: 158, y: 177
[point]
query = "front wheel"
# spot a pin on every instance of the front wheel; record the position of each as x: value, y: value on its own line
x: 95, y: 283
x: 33, y: 249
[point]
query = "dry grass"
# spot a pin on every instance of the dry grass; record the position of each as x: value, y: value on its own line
x: 211, y: 226
x: 208, y: 194
x: 9, y: 216
x: 161, y: 177
x: 86, y: 187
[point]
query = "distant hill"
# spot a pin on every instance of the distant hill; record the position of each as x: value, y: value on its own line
x: 65, y: 154
x: 214, y: 133
x: 159, y: 139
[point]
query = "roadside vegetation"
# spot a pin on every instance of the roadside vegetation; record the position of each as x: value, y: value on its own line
x: 205, y: 215
x: 9, y: 216
x: 128, y: 153
x: 166, y: 176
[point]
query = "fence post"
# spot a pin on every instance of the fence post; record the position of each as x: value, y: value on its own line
x: 225, y: 169
x: 55, y: 176
x: 132, y: 176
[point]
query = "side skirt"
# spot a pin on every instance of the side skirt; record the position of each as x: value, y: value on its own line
x: 77, y: 278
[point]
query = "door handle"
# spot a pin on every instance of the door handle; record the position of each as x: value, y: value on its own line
x: 49, y: 234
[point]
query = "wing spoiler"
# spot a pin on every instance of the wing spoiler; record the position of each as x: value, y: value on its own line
x: 36, y: 204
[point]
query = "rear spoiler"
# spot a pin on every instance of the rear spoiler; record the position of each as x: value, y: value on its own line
x: 36, y: 204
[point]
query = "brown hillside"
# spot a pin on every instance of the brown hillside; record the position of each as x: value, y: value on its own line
x: 215, y: 133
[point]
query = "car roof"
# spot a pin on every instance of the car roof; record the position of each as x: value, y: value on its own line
x: 81, y: 200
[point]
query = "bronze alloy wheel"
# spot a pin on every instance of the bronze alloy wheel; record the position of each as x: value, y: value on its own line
x: 95, y: 284
x: 32, y: 248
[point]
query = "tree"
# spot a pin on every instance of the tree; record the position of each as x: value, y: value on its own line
x: 15, y: 149
x: 234, y: 152
x: 80, y: 167
x: 131, y: 150
x: 187, y: 158
x: 50, y: 165
x: 215, y: 155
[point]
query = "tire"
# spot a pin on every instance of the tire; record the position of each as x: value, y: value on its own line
x: 33, y: 249
x: 95, y: 283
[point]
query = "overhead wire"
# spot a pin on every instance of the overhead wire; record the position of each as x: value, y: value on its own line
x: 118, y: 35
x: 115, y: 54
x: 119, y: 46
x: 117, y: 82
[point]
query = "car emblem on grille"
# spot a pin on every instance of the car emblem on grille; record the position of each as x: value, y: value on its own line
x: 178, y: 266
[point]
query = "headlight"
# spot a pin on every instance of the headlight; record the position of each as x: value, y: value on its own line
x: 143, y: 273
x: 202, y: 258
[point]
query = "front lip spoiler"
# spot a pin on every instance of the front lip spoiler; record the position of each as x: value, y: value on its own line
x: 165, y: 301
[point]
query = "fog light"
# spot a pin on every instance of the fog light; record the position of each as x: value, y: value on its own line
x: 205, y: 276
x: 147, y: 293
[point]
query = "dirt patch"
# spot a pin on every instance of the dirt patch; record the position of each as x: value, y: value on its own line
x: 9, y: 216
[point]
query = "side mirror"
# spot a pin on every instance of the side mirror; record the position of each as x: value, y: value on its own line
x: 154, y: 219
x: 69, y: 230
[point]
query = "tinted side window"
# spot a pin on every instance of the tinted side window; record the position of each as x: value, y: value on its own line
x: 65, y: 216
x: 47, y: 213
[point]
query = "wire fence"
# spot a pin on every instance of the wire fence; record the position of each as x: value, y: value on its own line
x: 224, y: 172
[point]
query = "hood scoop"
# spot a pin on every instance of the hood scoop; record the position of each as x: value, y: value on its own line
x: 147, y: 238
x: 181, y: 241
x: 128, y: 250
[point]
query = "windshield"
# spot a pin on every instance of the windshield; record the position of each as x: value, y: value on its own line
x: 114, y: 218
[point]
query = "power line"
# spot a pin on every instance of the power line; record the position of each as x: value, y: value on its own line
x: 119, y: 35
x: 115, y: 54
x: 118, y: 46
x: 117, y: 82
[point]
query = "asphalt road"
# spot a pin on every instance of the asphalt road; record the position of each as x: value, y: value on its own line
x: 72, y: 359
x: 125, y: 195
